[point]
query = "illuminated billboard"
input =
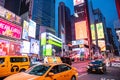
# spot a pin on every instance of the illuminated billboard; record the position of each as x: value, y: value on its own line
x: 25, y: 30
x: 92, y: 31
x: 32, y: 28
x: 10, y: 29
x: 100, y: 30
x: 76, y: 2
x: 4, y: 47
x: 101, y: 44
x: 34, y: 46
x: 43, y: 38
x: 80, y: 30
x: 25, y: 47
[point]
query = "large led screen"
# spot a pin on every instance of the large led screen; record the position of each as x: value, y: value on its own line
x: 4, y: 47
x: 34, y: 46
x: 10, y: 29
x: 80, y: 30
x: 25, y: 47
x: 100, y: 30
x: 25, y: 30
x: 92, y: 31
x: 76, y: 2
x: 101, y: 44
x: 14, y: 48
x: 32, y: 29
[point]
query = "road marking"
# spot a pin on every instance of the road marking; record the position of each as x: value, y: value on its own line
x: 82, y: 75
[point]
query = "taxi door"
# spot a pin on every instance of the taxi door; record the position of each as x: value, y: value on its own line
x: 65, y: 72
x: 57, y: 74
x: 4, y: 68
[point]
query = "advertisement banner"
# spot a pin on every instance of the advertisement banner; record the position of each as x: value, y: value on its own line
x: 100, y: 30
x: 2, y: 12
x: 25, y: 47
x: 34, y: 46
x: 32, y: 28
x: 25, y: 30
x: 14, y: 48
x: 80, y: 30
x: 76, y: 2
x: 4, y: 47
x: 10, y: 30
x: 48, y: 50
x: 92, y: 31
x: 101, y: 44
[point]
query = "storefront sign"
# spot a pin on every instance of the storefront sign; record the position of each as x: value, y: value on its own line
x: 9, y: 29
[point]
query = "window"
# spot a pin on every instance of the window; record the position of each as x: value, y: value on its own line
x: 18, y: 59
x: 64, y: 68
x: 2, y: 60
x: 55, y: 69
x: 39, y: 70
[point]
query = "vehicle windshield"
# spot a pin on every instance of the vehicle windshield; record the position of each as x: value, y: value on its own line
x: 38, y: 70
x: 2, y: 60
x: 96, y: 62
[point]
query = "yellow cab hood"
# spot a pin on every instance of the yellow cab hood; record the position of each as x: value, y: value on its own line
x: 23, y: 76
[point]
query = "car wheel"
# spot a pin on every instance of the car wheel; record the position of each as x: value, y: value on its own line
x: 22, y: 70
x: 73, y: 78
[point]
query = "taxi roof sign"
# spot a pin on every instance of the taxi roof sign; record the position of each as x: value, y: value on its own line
x: 52, y: 60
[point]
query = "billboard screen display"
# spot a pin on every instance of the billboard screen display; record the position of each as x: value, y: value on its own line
x: 14, y: 48
x: 4, y: 47
x: 25, y: 47
x: 9, y: 29
x: 92, y: 31
x: 80, y: 30
x: 100, y: 30
x: 32, y: 28
x: 34, y: 46
x: 76, y: 2
x: 101, y: 44
x: 25, y: 30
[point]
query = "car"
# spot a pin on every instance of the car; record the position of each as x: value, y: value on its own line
x: 96, y: 66
x: 13, y: 64
x: 47, y: 71
x: 66, y: 60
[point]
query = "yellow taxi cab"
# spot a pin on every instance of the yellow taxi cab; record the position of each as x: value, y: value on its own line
x: 13, y: 64
x: 53, y: 70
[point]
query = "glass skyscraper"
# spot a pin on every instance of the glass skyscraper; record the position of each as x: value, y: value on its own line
x: 43, y: 13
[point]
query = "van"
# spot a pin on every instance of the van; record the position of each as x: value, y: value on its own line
x: 13, y: 64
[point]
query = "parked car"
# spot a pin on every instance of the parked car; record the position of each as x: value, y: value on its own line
x: 96, y: 66
x: 66, y: 60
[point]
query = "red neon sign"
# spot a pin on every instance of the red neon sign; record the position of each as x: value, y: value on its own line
x: 10, y: 29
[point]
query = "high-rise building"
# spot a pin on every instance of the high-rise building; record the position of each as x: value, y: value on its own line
x: 65, y: 26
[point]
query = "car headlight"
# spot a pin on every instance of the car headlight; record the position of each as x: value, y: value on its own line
x: 88, y: 67
x: 100, y: 67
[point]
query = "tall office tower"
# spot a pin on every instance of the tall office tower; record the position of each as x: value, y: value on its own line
x: 64, y: 21
x: 118, y: 7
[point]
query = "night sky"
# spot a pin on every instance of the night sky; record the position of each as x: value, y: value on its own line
x: 108, y: 8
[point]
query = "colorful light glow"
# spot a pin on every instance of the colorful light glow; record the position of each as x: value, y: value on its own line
x: 92, y: 31
x: 10, y: 29
x: 80, y: 30
x: 100, y: 30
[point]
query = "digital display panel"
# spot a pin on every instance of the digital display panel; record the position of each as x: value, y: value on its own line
x: 80, y: 30
x: 10, y: 29
x: 34, y: 46
x: 32, y: 28
x: 25, y: 47
x: 25, y: 30
x: 100, y: 30
x: 92, y: 31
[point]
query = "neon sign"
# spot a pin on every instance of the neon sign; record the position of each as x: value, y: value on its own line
x: 9, y: 29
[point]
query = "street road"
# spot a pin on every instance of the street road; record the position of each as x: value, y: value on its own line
x: 113, y: 73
